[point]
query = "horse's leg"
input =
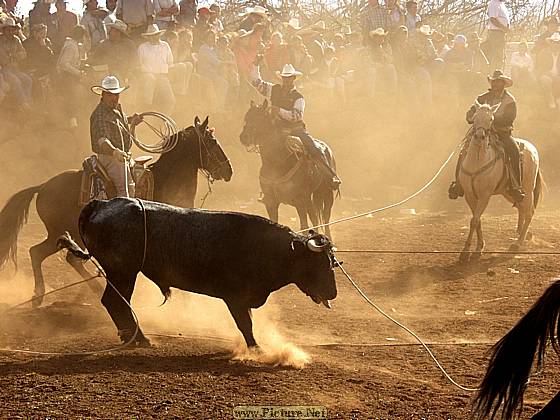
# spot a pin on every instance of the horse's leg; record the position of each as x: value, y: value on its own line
x: 313, y: 213
x: 78, y: 265
x: 465, y: 254
x: 302, y: 214
x: 118, y: 306
x: 38, y: 253
x: 477, y: 215
x: 526, y: 211
x: 328, y: 201
x: 272, y: 210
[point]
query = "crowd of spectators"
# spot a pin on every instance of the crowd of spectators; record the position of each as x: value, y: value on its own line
x: 174, y: 49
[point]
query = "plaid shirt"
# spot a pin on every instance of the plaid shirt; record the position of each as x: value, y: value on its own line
x: 105, y: 123
x: 374, y: 17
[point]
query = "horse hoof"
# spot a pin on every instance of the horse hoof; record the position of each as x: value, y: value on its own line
x: 35, y: 303
x: 464, y: 257
x: 476, y: 256
x: 515, y: 248
x: 529, y: 236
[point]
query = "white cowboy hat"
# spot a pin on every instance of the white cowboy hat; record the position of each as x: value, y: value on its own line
x: 109, y: 84
x: 425, y: 30
x: 152, y: 30
x: 119, y: 25
x: 319, y: 26
x: 289, y: 71
x: 9, y: 23
x: 257, y: 10
x: 294, y: 24
x: 555, y: 37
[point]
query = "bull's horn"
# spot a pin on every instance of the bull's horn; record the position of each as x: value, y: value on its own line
x: 315, y: 246
x: 326, y: 303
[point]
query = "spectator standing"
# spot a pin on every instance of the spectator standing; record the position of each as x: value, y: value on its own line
x: 481, y: 65
x: 137, y: 14
x: 384, y: 74
x: 155, y: 57
x: 64, y: 21
x: 522, y: 65
x: 373, y: 16
x: 187, y: 12
x: 93, y: 22
x: 412, y: 19
x: 229, y: 68
x: 276, y: 55
x: 552, y: 25
x: 12, y: 57
x: 215, y: 19
x: 41, y: 13
x: 71, y: 74
x: 299, y: 56
x: 498, y: 27
x: 548, y: 70
x: 396, y: 15
x: 179, y: 72
x: 203, y: 27
x: 425, y: 57
x: 165, y: 11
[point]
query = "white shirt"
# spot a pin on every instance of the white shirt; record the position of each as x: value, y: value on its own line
x: 159, y: 5
x: 497, y: 9
x: 155, y: 58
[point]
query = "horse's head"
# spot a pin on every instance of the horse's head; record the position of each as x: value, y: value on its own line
x: 257, y: 124
x: 483, y: 120
x: 212, y: 157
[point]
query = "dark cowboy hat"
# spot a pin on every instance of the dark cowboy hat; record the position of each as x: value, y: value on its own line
x: 499, y: 75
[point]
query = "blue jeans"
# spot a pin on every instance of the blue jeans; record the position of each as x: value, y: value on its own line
x: 20, y: 84
x: 314, y: 151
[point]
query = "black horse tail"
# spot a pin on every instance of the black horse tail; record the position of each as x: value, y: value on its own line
x: 66, y: 242
x: 513, y: 356
x: 12, y: 218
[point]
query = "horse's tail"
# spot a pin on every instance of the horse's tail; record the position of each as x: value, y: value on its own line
x: 538, y: 191
x: 12, y: 218
x: 513, y: 356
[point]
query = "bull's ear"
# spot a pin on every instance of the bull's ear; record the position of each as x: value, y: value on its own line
x: 205, y: 123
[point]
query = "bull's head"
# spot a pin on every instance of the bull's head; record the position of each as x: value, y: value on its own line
x: 315, y: 267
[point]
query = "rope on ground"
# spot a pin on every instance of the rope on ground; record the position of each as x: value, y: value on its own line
x: 99, y: 274
x: 408, y: 330
x: 390, y: 206
x: 395, y: 251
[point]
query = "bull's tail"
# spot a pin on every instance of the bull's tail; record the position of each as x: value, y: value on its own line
x: 12, y: 218
x: 513, y: 356
x: 66, y: 242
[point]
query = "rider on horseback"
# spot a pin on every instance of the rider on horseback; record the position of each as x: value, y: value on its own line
x: 110, y: 139
x: 502, y: 127
x: 287, y: 107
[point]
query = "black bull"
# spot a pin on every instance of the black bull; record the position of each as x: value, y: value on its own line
x: 236, y: 257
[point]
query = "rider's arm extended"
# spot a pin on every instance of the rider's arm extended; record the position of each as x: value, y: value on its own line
x: 264, y: 88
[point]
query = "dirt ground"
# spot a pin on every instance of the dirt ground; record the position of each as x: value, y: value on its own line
x: 349, y: 359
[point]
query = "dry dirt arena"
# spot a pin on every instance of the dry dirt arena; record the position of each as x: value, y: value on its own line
x: 349, y: 359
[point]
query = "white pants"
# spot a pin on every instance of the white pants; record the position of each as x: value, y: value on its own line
x: 158, y: 85
x: 116, y: 170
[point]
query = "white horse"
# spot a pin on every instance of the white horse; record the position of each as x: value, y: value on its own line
x: 483, y: 174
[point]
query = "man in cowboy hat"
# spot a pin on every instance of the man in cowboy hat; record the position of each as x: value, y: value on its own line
x: 137, y: 14
x: 503, y: 126
x: 548, y: 70
x: 92, y: 20
x: 155, y: 57
x: 110, y: 139
x: 257, y: 14
x: 117, y: 52
x: 498, y: 26
x: 288, y: 105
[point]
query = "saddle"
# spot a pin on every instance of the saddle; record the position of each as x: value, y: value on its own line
x: 97, y: 185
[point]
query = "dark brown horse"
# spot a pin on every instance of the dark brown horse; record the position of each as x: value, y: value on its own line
x: 286, y: 177
x: 512, y: 359
x: 175, y: 182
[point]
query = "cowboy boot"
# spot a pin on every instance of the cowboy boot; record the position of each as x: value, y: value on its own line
x: 516, y: 189
x: 455, y: 189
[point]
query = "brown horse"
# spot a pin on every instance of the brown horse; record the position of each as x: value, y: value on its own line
x: 483, y: 174
x: 286, y: 177
x: 175, y: 182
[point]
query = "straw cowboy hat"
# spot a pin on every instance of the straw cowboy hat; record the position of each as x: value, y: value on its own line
x: 555, y: 37
x: 119, y: 25
x: 289, y: 71
x: 425, y: 30
x: 109, y: 84
x: 499, y: 75
x: 257, y: 10
x: 378, y: 32
x: 153, y: 30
